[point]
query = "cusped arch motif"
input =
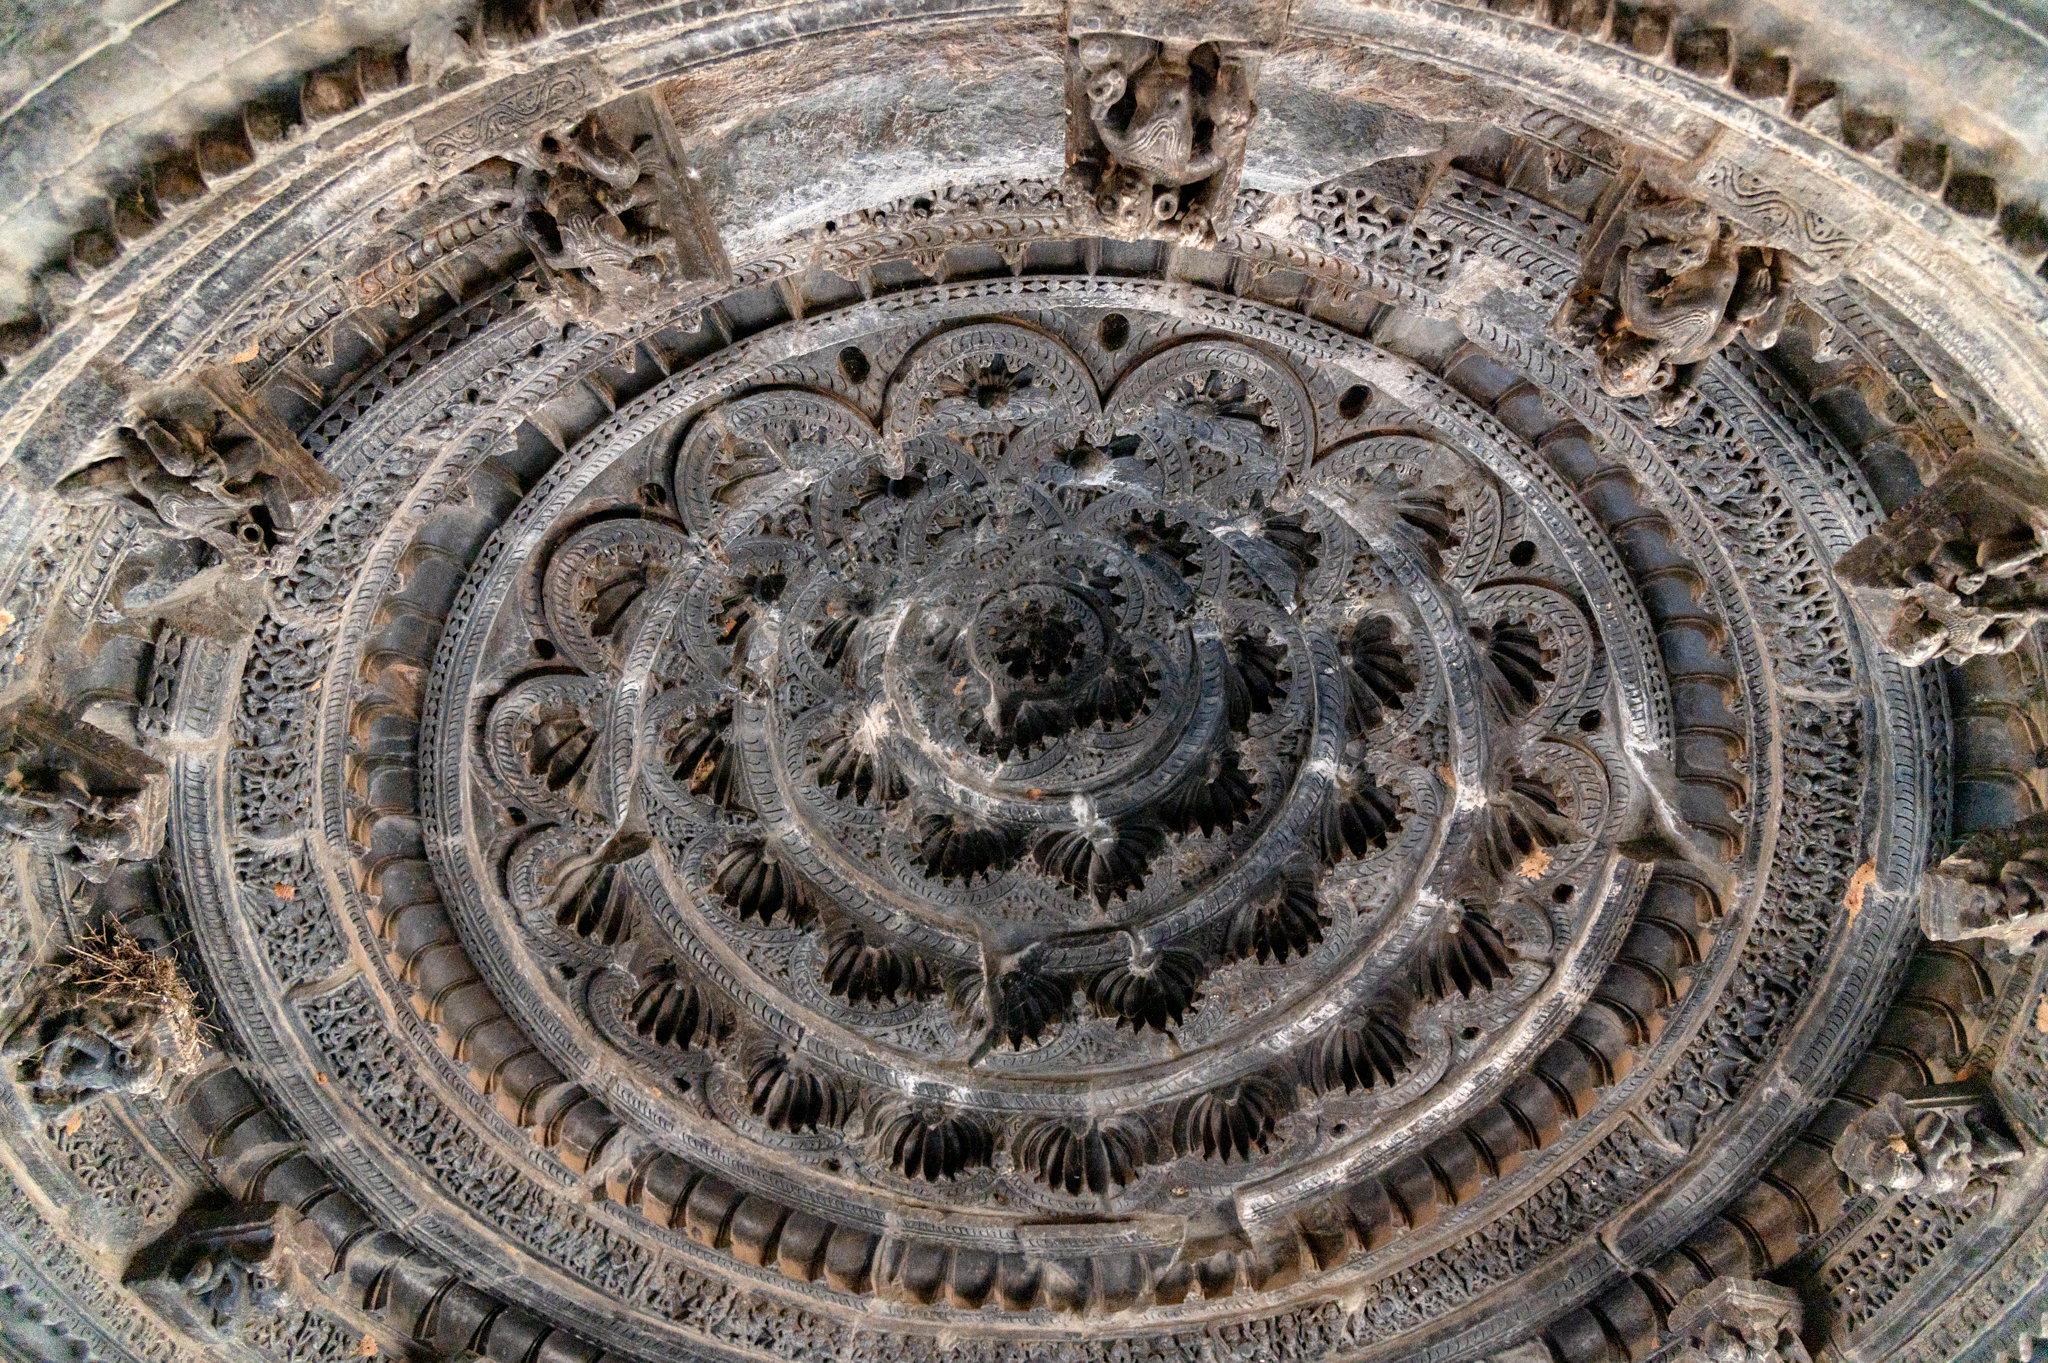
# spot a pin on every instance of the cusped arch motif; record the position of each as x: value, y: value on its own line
x: 1042, y: 710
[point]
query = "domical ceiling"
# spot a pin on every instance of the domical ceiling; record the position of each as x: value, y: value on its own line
x: 1138, y: 682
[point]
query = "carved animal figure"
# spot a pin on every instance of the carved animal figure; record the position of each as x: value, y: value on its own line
x: 183, y: 482
x: 1685, y: 285
x: 1171, y: 121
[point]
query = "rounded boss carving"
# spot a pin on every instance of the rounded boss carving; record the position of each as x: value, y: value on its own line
x: 959, y: 798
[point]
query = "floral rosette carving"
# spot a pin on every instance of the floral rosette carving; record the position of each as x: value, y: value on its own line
x: 1042, y: 742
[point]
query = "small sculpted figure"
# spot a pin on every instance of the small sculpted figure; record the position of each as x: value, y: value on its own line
x: 1994, y: 886
x: 1737, y: 1320
x: 1947, y: 1150
x: 183, y: 482
x: 1681, y: 286
x: 1168, y: 122
x: 117, y: 1021
x: 598, y: 216
x: 1956, y: 571
x: 216, y: 1267
x: 77, y: 792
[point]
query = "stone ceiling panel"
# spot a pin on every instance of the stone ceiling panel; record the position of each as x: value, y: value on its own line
x: 1123, y: 682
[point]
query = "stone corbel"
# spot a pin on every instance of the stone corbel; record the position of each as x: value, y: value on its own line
x: 1665, y: 284
x: 1958, y: 571
x: 213, y: 1268
x: 117, y: 1021
x: 1993, y: 887
x: 220, y: 488
x: 616, y: 218
x: 1951, y: 1142
x: 78, y: 792
x: 1739, y: 1320
x: 1159, y: 105
x: 212, y: 463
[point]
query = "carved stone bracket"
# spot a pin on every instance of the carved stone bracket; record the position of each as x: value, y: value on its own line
x: 212, y: 1269
x: 219, y: 486
x: 79, y: 792
x: 117, y: 1020
x: 1946, y: 1141
x: 216, y: 466
x: 1956, y: 572
x: 1159, y: 104
x: 614, y: 215
x: 1667, y: 283
x: 1737, y: 1320
x: 1995, y: 886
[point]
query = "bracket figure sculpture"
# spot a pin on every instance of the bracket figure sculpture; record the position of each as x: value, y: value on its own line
x: 222, y: 485
x: 1995, y: 886
x: 1666, y: 286
x: 1946, y: 1141
x: 1157, y: 130
x: 215, y: 1267
x: 118, y: 1021
x: 77, y: 792
x: 1956, y: 572
x: 1738, y: 1320
x: 613, y: 215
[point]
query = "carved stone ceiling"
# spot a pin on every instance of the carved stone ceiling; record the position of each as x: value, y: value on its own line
x: 1133, y: 681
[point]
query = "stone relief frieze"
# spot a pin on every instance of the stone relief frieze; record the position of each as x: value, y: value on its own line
x: 53, y: 1298
x: 111, y: 1164
x: 1910, y: 1235
x: 1785, y: 948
